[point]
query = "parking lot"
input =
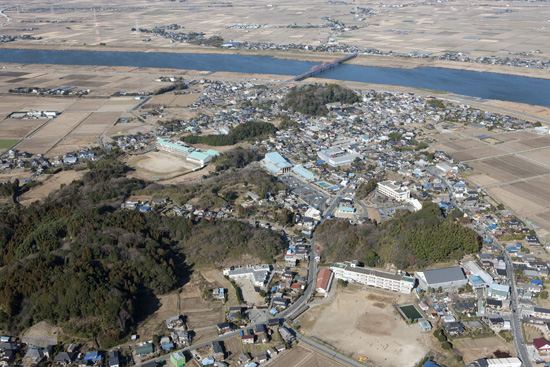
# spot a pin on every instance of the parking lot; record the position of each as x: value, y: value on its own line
x: 314, y: 197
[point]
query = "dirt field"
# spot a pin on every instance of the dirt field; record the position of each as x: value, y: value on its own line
x: 159, y: 165
x: 301, y: 356
x: 364, y: 322
x: 187, y: 301
x: 49, y: 184
x: 472, y: 349
x: 43, y: 328
x: 249, y: 294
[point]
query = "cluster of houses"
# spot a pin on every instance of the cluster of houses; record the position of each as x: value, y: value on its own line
x: 32, y: 351
x: 14, y: 159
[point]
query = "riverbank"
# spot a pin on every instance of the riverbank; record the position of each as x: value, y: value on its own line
x: 141, y: 75
x: 360, y: 60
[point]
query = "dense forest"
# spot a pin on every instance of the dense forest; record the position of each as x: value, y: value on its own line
x: 311, y: 99
x: 247, y: 131
x: 236, y: 158
x: 79, y: 261
x: 410, y: 240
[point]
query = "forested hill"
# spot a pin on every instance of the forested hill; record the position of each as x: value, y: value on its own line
x: 311, y: 99
x: 250, y: 130
x: 410, y: 240
x: 80, y: 262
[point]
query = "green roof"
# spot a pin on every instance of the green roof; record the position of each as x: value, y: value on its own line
x: 172, y: 145
x: 199, y: 156
x: 145, y: 349
x: 212, y: 152
x: 338, y: 265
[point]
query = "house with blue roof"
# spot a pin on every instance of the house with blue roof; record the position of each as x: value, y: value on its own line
x: 93, y: 357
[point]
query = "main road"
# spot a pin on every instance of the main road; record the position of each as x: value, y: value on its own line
x: 310, y: 286
x: 517, y: 333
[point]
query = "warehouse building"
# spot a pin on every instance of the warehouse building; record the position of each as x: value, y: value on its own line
x: 276, y: 163
x: 446, y: 278
x: 336, y: 157
x: 394, y: 190
x: 324, y: 281
x: 351, y: 272
x: 199, y: 157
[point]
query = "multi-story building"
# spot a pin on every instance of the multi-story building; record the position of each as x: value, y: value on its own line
x: 177, y: 149
x: 394, y: 191
x: 351, y: 272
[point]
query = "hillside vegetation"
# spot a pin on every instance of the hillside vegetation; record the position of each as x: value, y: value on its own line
x: 78, y: 261
x: 249, y: 130
x: 408, y: 240
x: 311, y: 99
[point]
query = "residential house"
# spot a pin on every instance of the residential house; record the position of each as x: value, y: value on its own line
x: 114, y: 358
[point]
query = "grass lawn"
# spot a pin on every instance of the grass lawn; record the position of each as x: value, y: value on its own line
x: 8, y: 143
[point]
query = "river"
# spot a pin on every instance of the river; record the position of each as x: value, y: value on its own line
x: 470, y: 83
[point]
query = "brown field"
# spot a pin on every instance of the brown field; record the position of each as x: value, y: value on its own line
x: 364, y: 322
x: 18, y: 129
x: 49, y: 184
x: 472, y: 349
x: 509, y: 168
x: 483, y: 152
x: 77, y: 127
x: 515, y: 171
x: 302, y: 356
x: 159, y: 164
x: 540, y: 155
x: 15, y: 103
x: 72, y: 145
x: 530, y: 199
x: 95, y: 124
x: 87, y: 104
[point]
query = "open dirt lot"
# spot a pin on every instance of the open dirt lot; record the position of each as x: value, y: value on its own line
x: 247, y: 290
x: 303, y: 357
x: 49, y: 184
x: 364, y: 322
x: 472, y: 349
x: 159, y: 164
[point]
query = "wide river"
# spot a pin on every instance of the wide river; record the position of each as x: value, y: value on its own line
x: 470, y: 83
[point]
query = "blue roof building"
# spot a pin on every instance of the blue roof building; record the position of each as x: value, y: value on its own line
x: 276, y: 163
x: 301, y: 171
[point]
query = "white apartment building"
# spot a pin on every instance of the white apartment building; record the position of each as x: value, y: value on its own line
x: 394, y: 191
x: 397, y: 282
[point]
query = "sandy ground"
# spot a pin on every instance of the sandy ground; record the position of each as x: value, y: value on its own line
x: 364, y: 322
x: 43, y: 328
x: 160, y: 165
x: 472, y: 349
x: 302, y: 356
x: 50, y: 183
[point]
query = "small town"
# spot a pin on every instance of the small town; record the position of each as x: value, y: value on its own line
x: 360, y: 163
